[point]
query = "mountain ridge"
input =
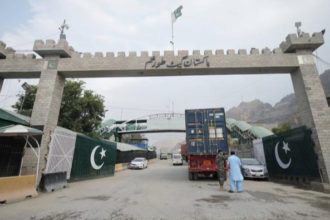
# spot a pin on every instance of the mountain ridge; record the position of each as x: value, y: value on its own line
x: 284, y: 111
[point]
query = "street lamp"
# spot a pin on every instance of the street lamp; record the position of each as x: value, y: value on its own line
x: 25, y: 86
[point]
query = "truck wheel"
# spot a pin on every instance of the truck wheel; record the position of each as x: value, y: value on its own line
x: 190, y: 176
x: 195, y: 176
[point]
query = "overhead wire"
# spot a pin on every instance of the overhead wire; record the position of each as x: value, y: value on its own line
x: 322, y: 60
x: 7, y: 94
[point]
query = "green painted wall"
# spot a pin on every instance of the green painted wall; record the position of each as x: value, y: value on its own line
x: 93, y: 158
x: 293, y: 156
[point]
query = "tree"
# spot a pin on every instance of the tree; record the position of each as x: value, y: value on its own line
x: 282, y: 128
x: 81, y: 110
x: 25, y: 100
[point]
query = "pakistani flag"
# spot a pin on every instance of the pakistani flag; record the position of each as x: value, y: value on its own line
x: 176, y: 13
x: 291, y: 153
x: 93, y: 158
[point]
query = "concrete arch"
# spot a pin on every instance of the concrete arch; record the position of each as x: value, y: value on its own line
x: 59, y: 60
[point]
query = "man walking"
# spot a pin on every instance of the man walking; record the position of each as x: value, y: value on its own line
x: 220, y: 159
x: 235, y: 174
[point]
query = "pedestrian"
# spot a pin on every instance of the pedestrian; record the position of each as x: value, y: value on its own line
x: 235, y: 173
x: 221, y: 160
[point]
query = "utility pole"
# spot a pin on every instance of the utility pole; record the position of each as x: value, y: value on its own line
x: 174, y: 16
x: 172, y: 41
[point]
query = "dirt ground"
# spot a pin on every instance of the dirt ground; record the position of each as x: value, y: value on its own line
x: 163, y: 191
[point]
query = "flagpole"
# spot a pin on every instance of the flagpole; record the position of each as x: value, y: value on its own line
x: 172, y: 42
x: 174, y: 15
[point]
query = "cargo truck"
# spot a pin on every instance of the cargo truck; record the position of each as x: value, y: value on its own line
x: 205, y: 135
x: 163, y: 154
x: 184, y: 152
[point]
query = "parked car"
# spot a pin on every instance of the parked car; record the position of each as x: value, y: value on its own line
x: 177, y: 159
x: 252, y: 168
x: 138, y: 163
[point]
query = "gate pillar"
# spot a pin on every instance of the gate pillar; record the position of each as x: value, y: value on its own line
x: 311, y: 99
x: 47, y: 104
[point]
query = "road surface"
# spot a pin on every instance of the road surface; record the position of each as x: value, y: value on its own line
x: 163, y: 191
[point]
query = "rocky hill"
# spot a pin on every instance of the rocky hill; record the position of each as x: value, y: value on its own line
x: 325, y: 79
x: 258, y: 112
x: 253, y: 111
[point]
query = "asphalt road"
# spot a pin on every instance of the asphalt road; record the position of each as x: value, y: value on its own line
x: 163, y: 191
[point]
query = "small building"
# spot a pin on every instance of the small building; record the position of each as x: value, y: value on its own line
x: 11, y: 148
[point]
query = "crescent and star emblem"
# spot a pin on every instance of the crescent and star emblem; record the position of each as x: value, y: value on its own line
x: 278, y: 159
x: 92, y: 159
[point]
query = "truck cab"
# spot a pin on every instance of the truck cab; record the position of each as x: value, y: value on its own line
x: 163, y: 156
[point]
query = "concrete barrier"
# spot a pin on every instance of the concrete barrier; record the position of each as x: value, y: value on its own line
x: 53, y: 181
x: 120, y: 167
x: 16, y: 188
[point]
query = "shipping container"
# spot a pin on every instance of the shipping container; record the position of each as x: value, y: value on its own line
x: 93, y: 158
x: 205, y: 135
x: 206, y: 131
x: 184, y: 152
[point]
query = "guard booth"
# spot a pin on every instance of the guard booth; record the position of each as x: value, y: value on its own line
x: 15, y: 140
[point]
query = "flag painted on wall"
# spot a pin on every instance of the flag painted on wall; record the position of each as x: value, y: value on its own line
x: 93, y: 158
x: 291, y: 153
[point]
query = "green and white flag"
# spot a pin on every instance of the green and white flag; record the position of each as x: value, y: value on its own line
x: 176, y: 13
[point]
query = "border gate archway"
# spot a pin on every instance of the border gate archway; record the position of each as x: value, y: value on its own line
x: 59, y: 60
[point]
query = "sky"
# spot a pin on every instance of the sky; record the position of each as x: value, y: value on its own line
x: 136, y: 25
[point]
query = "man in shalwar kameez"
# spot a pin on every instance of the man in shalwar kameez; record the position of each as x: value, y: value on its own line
x: 235, y: 174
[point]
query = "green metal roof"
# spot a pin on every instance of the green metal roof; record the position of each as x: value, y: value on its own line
x: 230, y: 121
x: 108, y: 122
x: 242, y: 125
x: 14, y: 117
x: 260, y: 132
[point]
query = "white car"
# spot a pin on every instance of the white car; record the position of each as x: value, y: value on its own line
x: 177, y: 159
x: 252, y: 168
x: 138, y: 163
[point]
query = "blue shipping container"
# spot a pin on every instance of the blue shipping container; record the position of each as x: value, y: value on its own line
x: 141, y: 145
x: 206, y: 131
